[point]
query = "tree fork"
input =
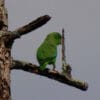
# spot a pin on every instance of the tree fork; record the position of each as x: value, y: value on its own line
x: 6, y: 41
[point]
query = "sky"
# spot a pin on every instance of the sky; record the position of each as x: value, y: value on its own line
x: 81, y: 21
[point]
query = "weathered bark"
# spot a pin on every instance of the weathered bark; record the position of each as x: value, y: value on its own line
x: 3, y: 15
x: 5, y: 56
x: 5, y: 64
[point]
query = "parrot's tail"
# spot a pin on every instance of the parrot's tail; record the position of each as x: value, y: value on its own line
x: 42, y: 67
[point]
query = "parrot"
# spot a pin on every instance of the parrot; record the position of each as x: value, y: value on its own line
x: 47, y: 51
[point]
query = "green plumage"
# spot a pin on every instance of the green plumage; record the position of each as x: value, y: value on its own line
x: 47, y: 52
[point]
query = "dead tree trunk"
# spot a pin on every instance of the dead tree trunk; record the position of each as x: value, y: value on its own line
x: 7, y: 63
x: 5, y: 55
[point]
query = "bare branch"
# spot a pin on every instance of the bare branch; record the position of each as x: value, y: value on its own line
x: 66, y: 68
x: 32, y: 25
x: 29, y: 67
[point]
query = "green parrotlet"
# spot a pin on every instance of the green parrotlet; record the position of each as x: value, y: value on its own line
x: 47, y: 52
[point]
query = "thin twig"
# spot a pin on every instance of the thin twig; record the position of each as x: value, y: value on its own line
x: 66, y: 68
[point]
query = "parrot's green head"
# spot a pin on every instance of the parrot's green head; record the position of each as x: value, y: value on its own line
x: 54, y: 37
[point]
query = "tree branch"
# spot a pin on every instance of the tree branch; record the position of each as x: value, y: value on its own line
x: 29, y: 67
x: 32, y: 25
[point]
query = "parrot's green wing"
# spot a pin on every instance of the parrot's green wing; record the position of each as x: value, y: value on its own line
x: 46, y: 54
